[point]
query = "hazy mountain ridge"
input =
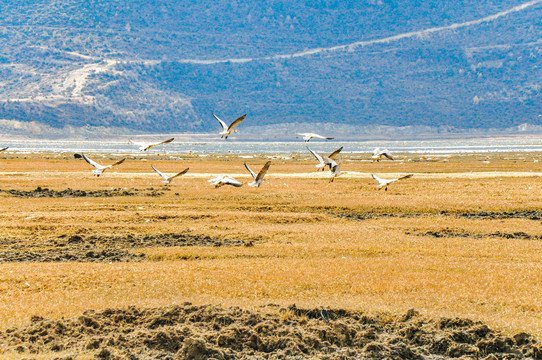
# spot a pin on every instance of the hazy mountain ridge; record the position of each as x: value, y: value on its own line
x: 128, y: 64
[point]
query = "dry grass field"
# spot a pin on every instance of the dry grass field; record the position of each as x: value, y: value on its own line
x: 461, y: 238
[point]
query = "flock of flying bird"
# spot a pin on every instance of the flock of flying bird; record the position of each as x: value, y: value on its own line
x: 323, y: 160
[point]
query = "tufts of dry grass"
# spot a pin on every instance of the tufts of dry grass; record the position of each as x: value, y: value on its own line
x: 379, y: 255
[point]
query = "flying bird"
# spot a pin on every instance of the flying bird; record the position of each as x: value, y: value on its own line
x: 100, y: 169
x: 225, y: 180
x: 169, y: 179
x: 335, y: 170
x: 378, y: 154
x: 258, y: 179
x: 4, y: 149
x: 144, y: 146
x: 326, y: 160
x: 228, y: 130
x: 383, y: 183
x: 308, y: 136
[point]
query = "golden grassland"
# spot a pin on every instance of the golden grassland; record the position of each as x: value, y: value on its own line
x: 308, y: 247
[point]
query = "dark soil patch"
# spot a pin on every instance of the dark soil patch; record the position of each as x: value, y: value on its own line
x: 447, y: 233
x: 519, y: 214
x: 101, y: 248
x: 40, y: 192
x: 361, y: 216
x: 209, y: 332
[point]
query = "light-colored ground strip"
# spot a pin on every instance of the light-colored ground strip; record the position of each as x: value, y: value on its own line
x: 310, y: 175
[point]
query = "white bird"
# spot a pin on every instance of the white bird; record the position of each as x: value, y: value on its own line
x: 225, y: 180
x: 169, y: 179
x: 378, y: 154
x: 383, y: 183
x: 4, y: 149
x: 335, y: 170
x: 258, y: 179
x: 100, y: 169
x: 308, y: 136
x: 144, y: 146
x: 326, y: 160
x: 228, y: 130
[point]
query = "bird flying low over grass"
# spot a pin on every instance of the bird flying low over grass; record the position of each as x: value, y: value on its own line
x: 258, y: 179
x: 169, y: 179
x: 100, y: 169
x: 225, y: 180
x: 228, y: 130
x: 335, y: 170
x: 326, y: 160
x: 144, y: 146
x: 383, y: 183
x: 379, y: 154
x: 4, y: 149
x: 308, y: 136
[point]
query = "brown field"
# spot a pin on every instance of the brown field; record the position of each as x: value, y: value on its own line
x: 462, y: 238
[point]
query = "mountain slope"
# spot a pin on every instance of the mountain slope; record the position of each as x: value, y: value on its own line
x: 165, y: 66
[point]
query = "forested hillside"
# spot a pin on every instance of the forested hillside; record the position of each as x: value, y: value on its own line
x: 163, y: 66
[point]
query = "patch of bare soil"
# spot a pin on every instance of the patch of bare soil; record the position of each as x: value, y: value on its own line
x: 101, y: 248
x: 40, y: 192
x: 209, y: 332
x: 447, y: 233
x: 520, y: 214
x: 361, y: 216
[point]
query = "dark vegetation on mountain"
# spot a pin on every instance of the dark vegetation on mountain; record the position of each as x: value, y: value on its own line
x: 124, y: 63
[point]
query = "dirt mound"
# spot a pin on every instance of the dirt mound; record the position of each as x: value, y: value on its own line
x: 209, y: 332
x: 40, y: 192
x: 101, y: 248
x: 453, y: 233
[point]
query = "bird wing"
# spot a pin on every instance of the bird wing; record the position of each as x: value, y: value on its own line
x: 92, y: 162
x: 159, y: 173
x: 224, y: 125
x: 118, y: 162
x: 376, y: 151
x: 329, y: 162
x: 378, y: 180
x: 263, y: 171
x: 322, y: 137
x: 165, y: 141
x: 387, y: 154
x: 231, y: 181
x: 147, y: 146
x: 254, y: 176
x: 335, y: 153
x: 215, y: 179
x: 406, y: 176
x: 179, y: 174
x: 4, y: 148
x: 236, y: 122
x: 318, y: 157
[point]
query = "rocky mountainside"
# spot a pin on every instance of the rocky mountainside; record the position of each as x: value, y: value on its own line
x: 163, y: 66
